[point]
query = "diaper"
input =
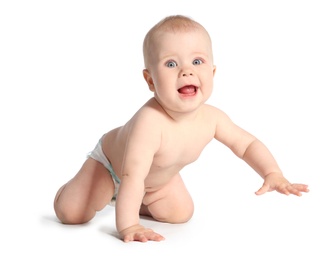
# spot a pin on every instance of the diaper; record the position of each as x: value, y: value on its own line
x: 98, y: 155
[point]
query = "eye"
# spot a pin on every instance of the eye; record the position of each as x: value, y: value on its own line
x: 197, y: 62
x: 171, y: 64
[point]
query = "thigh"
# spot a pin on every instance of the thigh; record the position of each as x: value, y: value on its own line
x: 90, y: 190
x: 172, y: 203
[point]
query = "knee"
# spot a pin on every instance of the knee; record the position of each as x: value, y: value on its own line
x: 174, y: 215
x: 183, y: 214
x: 71, y: 215
x: 69, y: 212
x: 180, y: 217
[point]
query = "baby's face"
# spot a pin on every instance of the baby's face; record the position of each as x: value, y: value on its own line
x: 182, y: 70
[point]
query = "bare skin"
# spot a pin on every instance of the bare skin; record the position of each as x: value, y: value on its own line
x: 166, y: 134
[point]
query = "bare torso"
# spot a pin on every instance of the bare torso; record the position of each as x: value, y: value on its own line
x: 181, y: 143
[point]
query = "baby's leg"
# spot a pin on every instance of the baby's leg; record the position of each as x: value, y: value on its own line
x: 172, y: 203
x: 91, y: 189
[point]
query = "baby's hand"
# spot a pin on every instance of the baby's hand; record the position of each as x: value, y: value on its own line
x: 139, y: 233
x: 276, y: 181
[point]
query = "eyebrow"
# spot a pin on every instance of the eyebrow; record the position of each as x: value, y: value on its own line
x: 195, y: 54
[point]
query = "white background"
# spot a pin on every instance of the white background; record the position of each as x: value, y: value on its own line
x: 72, y: 70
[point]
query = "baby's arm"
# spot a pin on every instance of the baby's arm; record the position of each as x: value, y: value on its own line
x: 127, y: 211
x: 257, y: 155
x: 261, y: 160
x: 142, y: 141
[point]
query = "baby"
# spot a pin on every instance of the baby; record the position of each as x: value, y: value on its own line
x: 139, y: 162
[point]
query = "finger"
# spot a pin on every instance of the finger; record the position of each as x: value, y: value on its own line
x: 297, y: 189
x: 293, y: 190
x: 263, y: 189
x: 128, y: 238
x: 284, y: 189
x: 301, y: 187
x: 154, y: 236
x: 140, y: 237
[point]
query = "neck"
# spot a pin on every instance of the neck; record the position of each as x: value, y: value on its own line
x: 179, y: 116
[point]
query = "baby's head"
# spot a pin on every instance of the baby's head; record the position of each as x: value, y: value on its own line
x: 173, y: 24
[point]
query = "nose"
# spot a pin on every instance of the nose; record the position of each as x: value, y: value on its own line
x: 186, y: 73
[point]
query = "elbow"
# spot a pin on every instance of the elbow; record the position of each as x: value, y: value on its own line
x: 247, y: 148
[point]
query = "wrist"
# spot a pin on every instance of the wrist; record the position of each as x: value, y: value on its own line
x: 278, y: 173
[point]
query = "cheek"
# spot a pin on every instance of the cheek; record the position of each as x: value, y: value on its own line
x: 208, y: 82
x: 208, y: 77
x: 163, y: 78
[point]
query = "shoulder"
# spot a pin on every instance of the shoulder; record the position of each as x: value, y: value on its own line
x: 146, y: 123
x: 219, y: 121
x: 149, y: 114
x: 215, y: 114
x: 143, y: 130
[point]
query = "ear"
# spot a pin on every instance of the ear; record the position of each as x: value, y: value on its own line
x: 214, y: 70
x: 148, y: 79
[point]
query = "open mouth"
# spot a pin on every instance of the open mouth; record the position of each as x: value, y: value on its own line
x: 188, y: 90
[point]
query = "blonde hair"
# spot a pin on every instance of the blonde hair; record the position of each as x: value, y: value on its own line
x: 172, y: 23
